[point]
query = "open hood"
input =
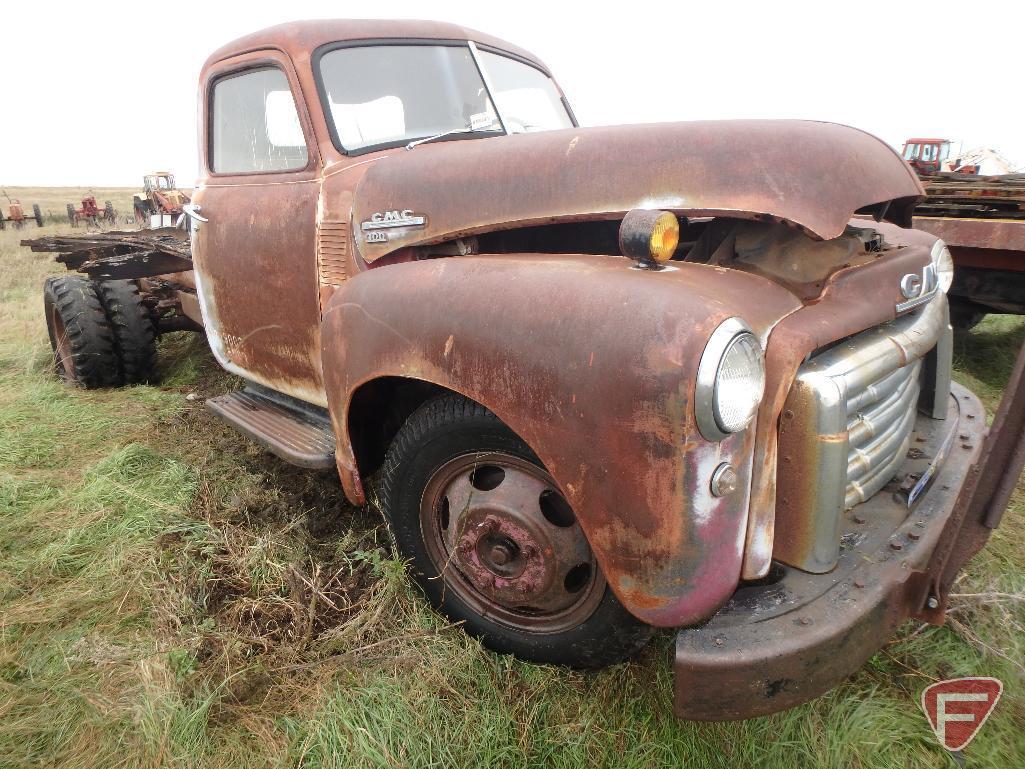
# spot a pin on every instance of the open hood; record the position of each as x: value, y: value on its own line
x: 813, y: 175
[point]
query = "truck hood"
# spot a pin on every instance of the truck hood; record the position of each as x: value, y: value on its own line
x: 813, y: 175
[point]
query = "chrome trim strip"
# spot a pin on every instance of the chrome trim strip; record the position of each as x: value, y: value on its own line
x: 918, y: 301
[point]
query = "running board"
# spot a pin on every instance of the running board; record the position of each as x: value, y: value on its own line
x: 297, y: 435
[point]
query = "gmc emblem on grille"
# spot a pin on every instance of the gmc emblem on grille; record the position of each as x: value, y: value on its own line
x: 918, y: 289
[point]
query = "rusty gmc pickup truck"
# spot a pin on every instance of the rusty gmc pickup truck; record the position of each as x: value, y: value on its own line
x: 599, y: 380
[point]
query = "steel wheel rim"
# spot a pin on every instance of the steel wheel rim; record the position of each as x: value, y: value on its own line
x: 63, y: 355
x: 505, y: 541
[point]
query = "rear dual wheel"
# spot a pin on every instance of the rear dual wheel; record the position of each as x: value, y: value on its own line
x: 101, y: 333
x: 494, y: 545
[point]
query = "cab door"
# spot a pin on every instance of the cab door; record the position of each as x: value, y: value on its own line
x: 254, y: 231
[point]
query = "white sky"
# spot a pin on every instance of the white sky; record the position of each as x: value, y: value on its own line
x: 99, y: 93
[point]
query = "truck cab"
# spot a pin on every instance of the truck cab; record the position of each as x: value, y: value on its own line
x: 597, y: 380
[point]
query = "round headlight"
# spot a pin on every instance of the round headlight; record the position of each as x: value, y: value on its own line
x: 740, y: 383
x: 730, y: 381
x: 944, y: 264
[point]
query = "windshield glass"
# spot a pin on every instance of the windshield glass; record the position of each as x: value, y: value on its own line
x: 384, y: 95
x: 395, y: 93
x: 527, y: 98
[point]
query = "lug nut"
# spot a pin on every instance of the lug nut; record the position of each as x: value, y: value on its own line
x: 896, y: 546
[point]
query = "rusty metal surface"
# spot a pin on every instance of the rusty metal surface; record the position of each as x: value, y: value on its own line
x: 298, y: 436
x: 257, y: 273
x: 784, y: 170
x: 981, y: 500
x: 298, y: 39
x: 779, y: 644
x: 501, y: 551
x: 609, y: 415
x: 997, y: 234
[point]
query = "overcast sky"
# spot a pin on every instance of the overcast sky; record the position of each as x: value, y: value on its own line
x: 98, y: 93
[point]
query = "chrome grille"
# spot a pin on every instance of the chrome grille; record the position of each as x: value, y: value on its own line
x: 847, y: 425
x: 879, y: 422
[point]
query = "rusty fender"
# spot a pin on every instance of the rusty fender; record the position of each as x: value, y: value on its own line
x: 592, y: 363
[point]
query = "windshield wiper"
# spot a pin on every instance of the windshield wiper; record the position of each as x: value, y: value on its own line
x: 467, y: 130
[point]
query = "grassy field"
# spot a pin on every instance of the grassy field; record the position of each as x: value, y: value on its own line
x: 171, y: 596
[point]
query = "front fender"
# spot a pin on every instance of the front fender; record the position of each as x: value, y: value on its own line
x: 592, y: 363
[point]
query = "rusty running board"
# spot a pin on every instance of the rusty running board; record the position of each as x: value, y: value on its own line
x: 294, y: 431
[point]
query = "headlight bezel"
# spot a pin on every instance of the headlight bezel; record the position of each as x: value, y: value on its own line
x: 706, y: 408
x: 943, y: 265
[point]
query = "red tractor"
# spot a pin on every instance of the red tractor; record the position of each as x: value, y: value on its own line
x: 17, y: 217
x: 91, y: 213
x: 926, y: 155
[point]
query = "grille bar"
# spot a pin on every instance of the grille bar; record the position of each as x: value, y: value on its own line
x: 847, y: 428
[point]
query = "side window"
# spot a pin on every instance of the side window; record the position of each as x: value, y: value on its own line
x: 254, y: 124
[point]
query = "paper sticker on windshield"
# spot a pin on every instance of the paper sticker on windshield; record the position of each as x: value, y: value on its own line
x: 480, y: 121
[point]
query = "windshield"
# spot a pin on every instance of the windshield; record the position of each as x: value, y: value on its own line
x: 527, y: 98
x: 388, y: 95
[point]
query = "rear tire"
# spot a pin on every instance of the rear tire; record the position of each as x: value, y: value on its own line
x: 134, y: 336
x: 594, y: 632
x: 37, y: 215
x: 80, y: 334
x: 108, y: 212
x: 72, y: 219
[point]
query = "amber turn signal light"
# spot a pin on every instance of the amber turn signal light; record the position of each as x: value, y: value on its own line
x: 649, y: 237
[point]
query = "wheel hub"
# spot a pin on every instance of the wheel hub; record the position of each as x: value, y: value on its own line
x: 507, y: 541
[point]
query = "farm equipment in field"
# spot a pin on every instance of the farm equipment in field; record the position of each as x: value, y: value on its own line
x: 931, y: 156
x: 17, y: 217
x: 160, y: 202
x: 90, y: 213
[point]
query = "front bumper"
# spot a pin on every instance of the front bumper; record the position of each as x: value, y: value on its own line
x: 788, y: 640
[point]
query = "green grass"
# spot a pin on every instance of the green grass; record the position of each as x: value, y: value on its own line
x: 172, y: 596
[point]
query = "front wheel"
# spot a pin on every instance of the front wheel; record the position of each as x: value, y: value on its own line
x: 493, y: 543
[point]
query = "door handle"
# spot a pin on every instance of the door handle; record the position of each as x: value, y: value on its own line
x: 191, y: 210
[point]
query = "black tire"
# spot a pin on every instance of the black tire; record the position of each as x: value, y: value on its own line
x: 450, y: 427
x: 3, y: 223
x: 71, y: 215
x: 134, y: 335
x: 37, y: 215
x: 108, y: 212
x: 80, y: 334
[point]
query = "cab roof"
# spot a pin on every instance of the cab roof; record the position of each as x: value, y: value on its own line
x: 300, y: 38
